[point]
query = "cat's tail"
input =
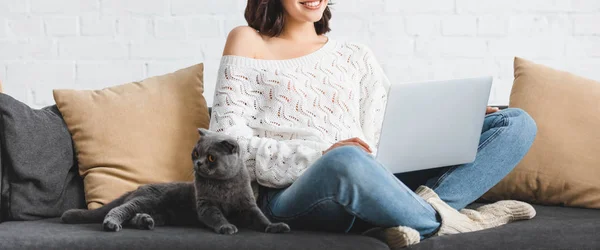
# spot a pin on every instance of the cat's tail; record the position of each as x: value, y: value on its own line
x: 79, y: 216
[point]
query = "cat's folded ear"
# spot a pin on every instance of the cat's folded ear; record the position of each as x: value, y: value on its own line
x: 203, y: 131
x: 230, y: 145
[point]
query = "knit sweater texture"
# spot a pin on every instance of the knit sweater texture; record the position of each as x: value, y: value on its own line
x: 285, y: 113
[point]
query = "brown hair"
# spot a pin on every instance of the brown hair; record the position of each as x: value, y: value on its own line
x: 266, y: 16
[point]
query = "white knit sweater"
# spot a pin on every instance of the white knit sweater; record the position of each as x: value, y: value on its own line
x: 284, y: 113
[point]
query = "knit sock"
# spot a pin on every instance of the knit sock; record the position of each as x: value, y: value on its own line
x: 469, y: 220
x: 396, y: 237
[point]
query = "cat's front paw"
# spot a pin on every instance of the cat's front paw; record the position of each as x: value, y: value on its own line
x: 143, y: 221
x: 227, y: 229
x: 111, y: 226
x: 277, y: 228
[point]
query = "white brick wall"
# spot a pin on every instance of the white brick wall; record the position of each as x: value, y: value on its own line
x: 91, y: 44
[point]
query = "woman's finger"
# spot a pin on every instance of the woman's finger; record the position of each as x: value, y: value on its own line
x: 355, y: 144
x: 364, y: 144
x: 491, y: 110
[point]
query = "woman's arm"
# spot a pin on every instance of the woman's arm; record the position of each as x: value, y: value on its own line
x: 272, y: 163
x: 374, y: 89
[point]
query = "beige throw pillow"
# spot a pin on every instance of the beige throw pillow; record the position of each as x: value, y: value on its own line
x: 563, y: 165
x: 135, y: 133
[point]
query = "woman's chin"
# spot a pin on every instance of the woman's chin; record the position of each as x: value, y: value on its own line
x: 312, y: 18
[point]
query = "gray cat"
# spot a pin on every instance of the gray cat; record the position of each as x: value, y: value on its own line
x: 221, y: 190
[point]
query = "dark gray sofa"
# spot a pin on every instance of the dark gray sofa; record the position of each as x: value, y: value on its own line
x: 34, y: 194
x: 553, y: 228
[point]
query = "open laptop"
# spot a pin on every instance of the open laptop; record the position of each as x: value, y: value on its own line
x: 433, y: 124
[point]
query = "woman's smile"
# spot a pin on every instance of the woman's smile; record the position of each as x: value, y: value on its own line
x: 312, y: 5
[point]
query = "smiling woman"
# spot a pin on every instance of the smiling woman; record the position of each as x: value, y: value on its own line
x: 307, y: 112
x: 268, y: 16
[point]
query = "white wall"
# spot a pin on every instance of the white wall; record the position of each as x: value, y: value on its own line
x: 91, y: 44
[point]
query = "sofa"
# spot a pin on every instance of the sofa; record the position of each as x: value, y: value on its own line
x: 554, y: 227
x: 40, y: 178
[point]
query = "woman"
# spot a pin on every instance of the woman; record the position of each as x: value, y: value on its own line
x: 307, y: 111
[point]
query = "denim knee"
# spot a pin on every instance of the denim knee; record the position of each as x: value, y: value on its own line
x: 524, y: 123
x: 346, y: 162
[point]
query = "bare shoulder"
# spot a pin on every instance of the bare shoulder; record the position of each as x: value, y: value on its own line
x: 243, y: 41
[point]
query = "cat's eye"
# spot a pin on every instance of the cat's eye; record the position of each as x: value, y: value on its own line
x: 211, y: 158
x: 195, y: 154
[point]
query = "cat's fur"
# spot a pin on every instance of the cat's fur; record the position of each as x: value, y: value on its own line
x: 220, y: 192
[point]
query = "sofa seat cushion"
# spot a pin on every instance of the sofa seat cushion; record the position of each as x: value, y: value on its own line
x: 552, y: 228
x: 52, y: 234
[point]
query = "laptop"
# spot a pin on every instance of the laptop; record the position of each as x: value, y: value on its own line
x: 433, y: 124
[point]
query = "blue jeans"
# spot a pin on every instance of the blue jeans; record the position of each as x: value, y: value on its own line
x: 348, y: 189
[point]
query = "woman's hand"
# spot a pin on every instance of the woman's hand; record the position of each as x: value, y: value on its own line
x: 490, y: 110
x: 351, y: 142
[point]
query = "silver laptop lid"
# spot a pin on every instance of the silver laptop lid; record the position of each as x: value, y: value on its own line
x: 433, y: 124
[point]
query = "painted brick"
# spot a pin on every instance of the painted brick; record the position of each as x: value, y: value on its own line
x: 3, y: 28
x: 457, y: 47
x: 486, y: 6
x: 135, y: 7
x: 587, y: 24
x: 48, y: 75
x: 492, y: 25
x: 583, y: 46
x: 410, y: 69
x: 166, y: 49
x: 585, y: 6
x: 3, y: 74
x: 26, y: 27
x: 587, y: 67
x: 108, y: 73
x: 413, y: 40
x: 14, y: 50
x: 459, y: 26
x: 212, y: 49
x: 531, y: 47
x: 540, y: 25
x: 385, y: 26
x: 13, y: 6
x: 64, y: 6
x: 424, y: 25
x: 161, y: 68
x: 98, y: 26
x: 359, y: 6
x: 137, y: 28
x: 204, y: 27
x: 61, y: 26
x: 92, y: 49
x: 171, y: 28
x: 232, y: 21
x: 349, y: 24
x: 403, y: 46
x: 195, y: 7
x: 421, y: 6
